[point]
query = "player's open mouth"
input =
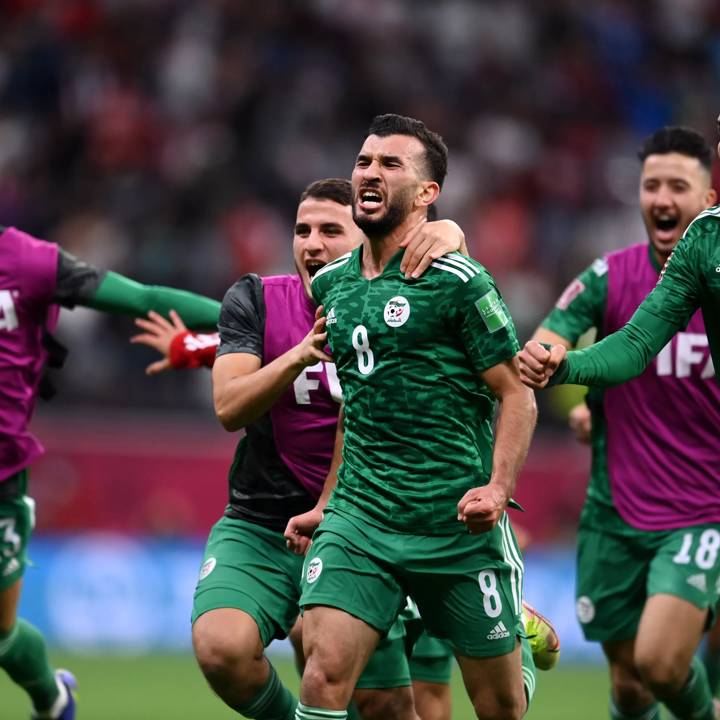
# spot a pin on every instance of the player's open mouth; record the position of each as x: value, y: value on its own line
x: 665, y: 223
x: 369, y: 199
x: 312, y: 266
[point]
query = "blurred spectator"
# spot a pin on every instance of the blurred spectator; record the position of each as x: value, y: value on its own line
x: 171, y: 138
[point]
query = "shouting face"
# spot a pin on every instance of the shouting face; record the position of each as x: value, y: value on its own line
x: 674, y: 188
x: 386, y: 180
x: 324, y: 230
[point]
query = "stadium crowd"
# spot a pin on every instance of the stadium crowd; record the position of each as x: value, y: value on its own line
x: 156, y: 138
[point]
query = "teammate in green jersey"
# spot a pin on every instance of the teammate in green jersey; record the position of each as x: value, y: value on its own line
x: 420, y: 502
x: 628, y: 585
x: 248, y: 592
x: 690, y: 280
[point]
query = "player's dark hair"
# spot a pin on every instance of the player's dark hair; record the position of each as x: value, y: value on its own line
x: 675, y: 139
x: 436, y: 152
x: 336, y: 189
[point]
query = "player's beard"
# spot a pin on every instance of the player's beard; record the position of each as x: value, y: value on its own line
x: 378, y: 227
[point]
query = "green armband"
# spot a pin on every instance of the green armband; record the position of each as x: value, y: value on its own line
x: 121, y: 295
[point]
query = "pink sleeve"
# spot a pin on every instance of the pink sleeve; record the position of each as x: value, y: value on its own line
x: 37, y: 263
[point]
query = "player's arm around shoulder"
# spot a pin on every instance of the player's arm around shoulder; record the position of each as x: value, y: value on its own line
x: 481, y: 508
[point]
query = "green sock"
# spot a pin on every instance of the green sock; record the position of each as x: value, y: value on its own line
x: 23, y: 656
x: 528, y: 669
x: 304, y: 712
x: 711, y: 660
x: 695, y: 699
x: 273, y: 702
x: 652, y: 712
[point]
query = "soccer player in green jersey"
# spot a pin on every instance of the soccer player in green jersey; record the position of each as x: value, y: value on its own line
x: 269, y: 376
x: 422, y: 491
x: 647, y: 438
x: 690, y: 280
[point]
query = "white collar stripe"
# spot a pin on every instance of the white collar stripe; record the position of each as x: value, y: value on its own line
x: 449, y: 268
x: 457, y: 262
x: 336, y: 264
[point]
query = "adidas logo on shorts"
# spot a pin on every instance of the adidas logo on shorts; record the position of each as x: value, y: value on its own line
x: 11, y: 567
x: 699, y: 582
x: 499, y: 632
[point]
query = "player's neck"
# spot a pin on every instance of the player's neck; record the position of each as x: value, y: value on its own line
x: 378, y: 251
x: 659, y: 258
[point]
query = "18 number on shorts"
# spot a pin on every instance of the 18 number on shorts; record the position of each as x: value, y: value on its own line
x: 706, y: 552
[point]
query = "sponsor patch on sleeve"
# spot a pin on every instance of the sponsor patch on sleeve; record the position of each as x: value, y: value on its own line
x: 569, y: 294
x: 600, y: 266
x: 492, y: 311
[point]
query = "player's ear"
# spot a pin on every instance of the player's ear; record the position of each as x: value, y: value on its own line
x: 428, y: 193
x: 710, y: 197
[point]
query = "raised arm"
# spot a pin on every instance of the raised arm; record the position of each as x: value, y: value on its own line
x: 626, y: 353
x: 615, y: 359
x: 81, y: 284
x: 620, y: 356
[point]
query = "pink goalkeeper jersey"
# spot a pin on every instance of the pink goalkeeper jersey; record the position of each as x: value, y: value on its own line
x: 304, y: 417
x: 663, y: 427
x: 28, y: 274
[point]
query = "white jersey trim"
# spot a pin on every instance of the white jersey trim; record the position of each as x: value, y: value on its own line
x: 459, y: 262
x: 471, y: 264
x: 449, y: 268
x: 338, y: 262
x: 514, y: 559
x: 710, y: 212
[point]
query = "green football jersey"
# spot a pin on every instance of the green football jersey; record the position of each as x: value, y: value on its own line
x: 418, y: 417
x: 690, y: 280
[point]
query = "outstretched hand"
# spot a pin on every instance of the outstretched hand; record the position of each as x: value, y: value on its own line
x: 159, y: 334
x: 537, y: 364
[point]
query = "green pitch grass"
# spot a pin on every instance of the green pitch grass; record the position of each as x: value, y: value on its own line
x: 170, y: 687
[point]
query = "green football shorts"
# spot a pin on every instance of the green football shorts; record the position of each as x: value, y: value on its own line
x: 387, y: 667
x: 468, y: 587
x: 617, y: 573
x: 431, y: 660
x: 248, y: 567
x: 17, y: 520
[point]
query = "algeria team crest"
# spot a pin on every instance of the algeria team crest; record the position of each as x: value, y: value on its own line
x: 585, y: 609
x: 314, y: 569
x: 397, y: 311
x: 208, y: 567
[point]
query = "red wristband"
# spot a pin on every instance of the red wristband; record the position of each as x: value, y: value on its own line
x: 188, y: 350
